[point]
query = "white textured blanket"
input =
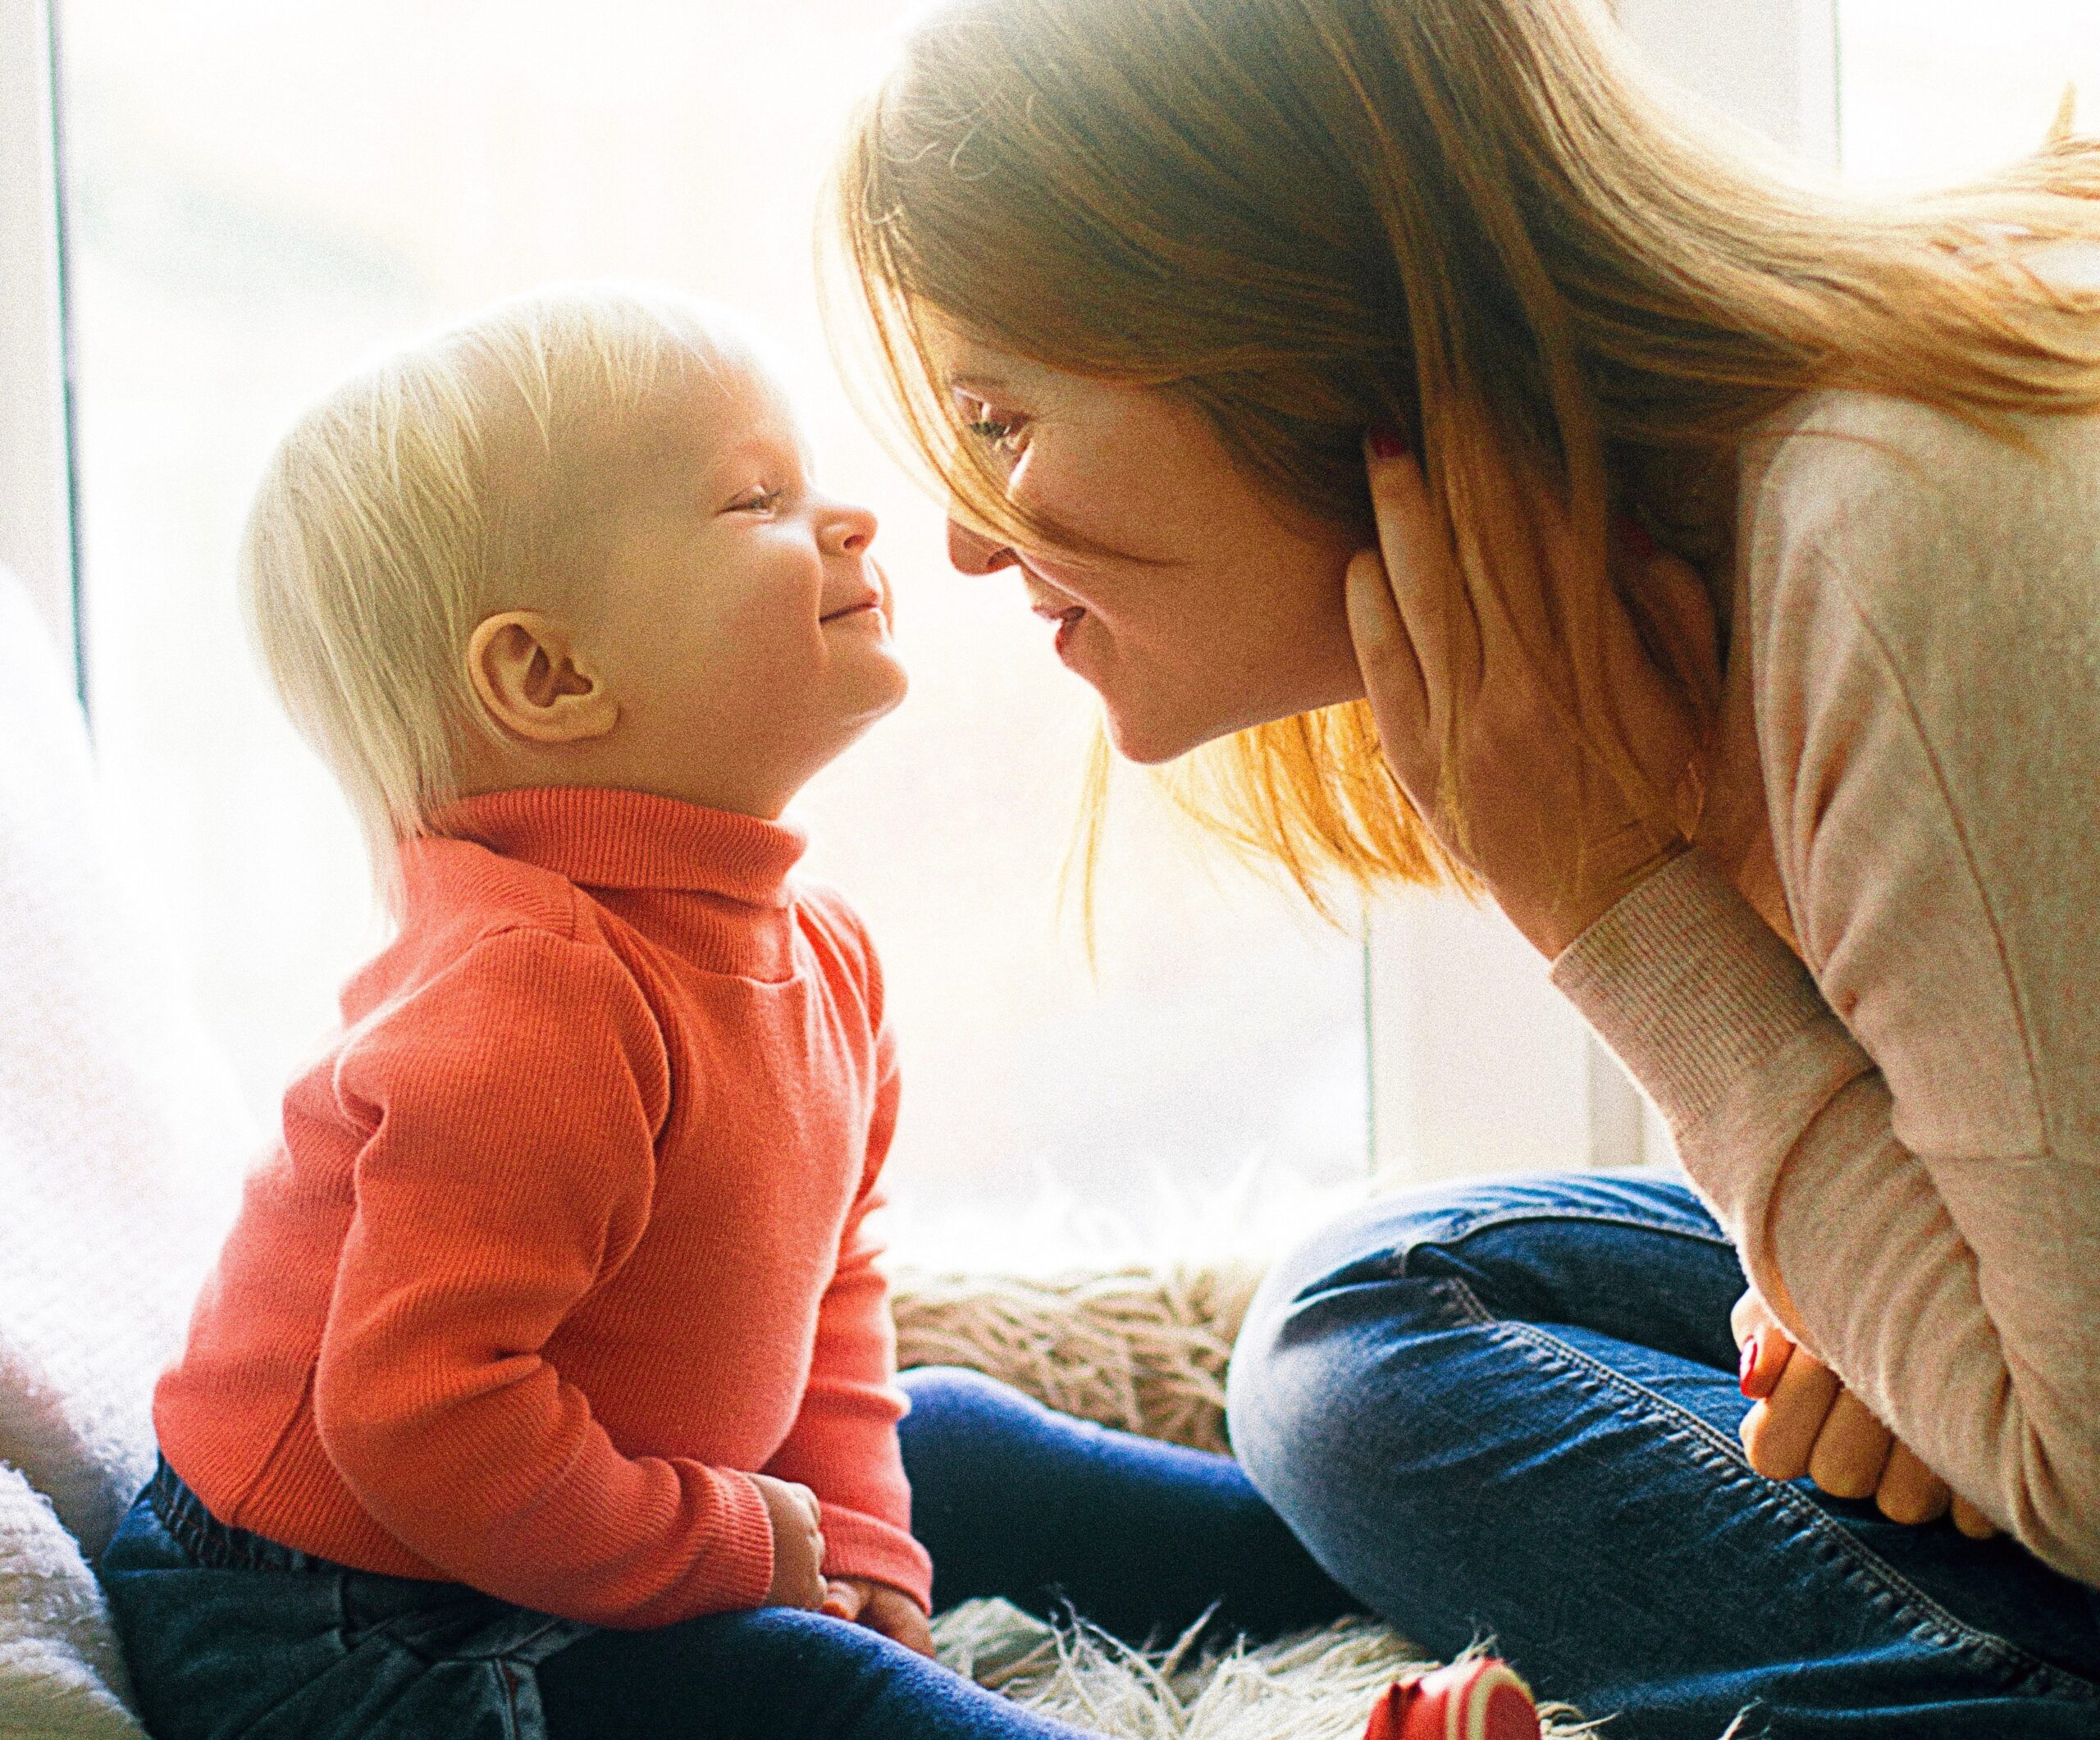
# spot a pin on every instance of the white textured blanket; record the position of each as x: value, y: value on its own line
x: 61, y: 1676
x: 122, y: 1145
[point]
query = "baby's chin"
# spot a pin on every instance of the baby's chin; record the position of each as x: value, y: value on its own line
x: 879, y: 690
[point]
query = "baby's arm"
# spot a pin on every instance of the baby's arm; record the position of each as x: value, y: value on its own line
x: 843, y: 1445
x: 513, y: 1101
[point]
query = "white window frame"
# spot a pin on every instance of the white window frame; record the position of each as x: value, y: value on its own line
x: 37, y: 501
x: 1476, y: 1063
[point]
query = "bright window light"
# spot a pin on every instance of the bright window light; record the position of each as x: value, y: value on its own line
x: 265, y: 191
x: 1933, y: 92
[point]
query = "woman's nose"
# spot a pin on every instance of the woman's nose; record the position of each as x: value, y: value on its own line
x: 973, y: 553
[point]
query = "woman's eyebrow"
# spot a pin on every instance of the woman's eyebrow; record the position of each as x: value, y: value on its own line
x: 978, y: 385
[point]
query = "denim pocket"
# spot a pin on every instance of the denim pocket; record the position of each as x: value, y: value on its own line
x: 319, y: 1654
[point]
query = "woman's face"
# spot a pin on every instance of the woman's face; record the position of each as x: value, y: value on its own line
x: 1222, y: 609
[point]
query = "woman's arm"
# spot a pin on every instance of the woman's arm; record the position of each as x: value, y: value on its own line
x: 1901, y: 1138
x: 1926, y: 638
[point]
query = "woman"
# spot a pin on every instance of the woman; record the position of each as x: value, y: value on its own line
x: 1718, y: 592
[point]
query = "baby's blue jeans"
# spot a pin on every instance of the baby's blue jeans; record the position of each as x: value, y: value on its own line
x: 1510, y: 1409
x: 232, y: 1637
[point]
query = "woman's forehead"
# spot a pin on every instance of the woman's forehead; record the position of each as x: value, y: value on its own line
x: 962, y: 362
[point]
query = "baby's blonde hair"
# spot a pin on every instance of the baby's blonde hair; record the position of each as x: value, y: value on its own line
x: 448, y: 481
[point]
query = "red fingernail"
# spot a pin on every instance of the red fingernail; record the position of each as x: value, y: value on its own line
x: 1386, y: 444
x: 1638, y: 539
x: 1757, y: 1383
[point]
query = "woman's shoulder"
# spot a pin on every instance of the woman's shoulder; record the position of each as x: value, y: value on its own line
x: 1950, y: 540
x: 1923, y: 604
x: 1846, y: 467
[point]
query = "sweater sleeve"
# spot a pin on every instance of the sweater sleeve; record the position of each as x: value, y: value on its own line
x: 1899, y: 1129
x: 843, y: 1445
x: 513, y: 1101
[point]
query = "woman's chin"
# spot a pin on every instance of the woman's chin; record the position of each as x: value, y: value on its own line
x: 1150, y: 741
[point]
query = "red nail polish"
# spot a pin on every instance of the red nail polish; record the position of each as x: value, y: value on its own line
x: 1746, y: 1370
x: 1639, y: 541
x: 1386, y: 444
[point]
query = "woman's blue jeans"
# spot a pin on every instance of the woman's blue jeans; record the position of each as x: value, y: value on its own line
x: 232, y: 1637
x: 1510, y: 1410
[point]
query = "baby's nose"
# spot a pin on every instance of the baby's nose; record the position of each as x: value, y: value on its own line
x: 850, y: 531
x: 973, y: 553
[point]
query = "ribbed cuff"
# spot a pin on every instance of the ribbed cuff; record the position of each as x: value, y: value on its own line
x: 1688, y: 986
x: 1724, y: 1029
x: 857, y: 1545
x: 734, y: 1571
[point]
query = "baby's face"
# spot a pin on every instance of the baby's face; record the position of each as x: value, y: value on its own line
x: 741, y: 625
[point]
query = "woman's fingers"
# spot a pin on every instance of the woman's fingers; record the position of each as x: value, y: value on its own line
x: 1910, y: 1492
x: 1401, y: 619
x: 1765, y: 1356
x: 1750, y: 1314
x: 1779, y: 1433
x: 1809, y: 1423
x: 1385, y: 652
x: 1421, y: 566
x: 1851, y: 1452
x: 1971, y: 1521
x: 1679, y: 616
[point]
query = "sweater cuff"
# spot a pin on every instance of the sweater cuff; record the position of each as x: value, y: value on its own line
x: 1722, y: 1027
x: 857, y: 1545
x: 734, y: 1572
x: 1688, y: 986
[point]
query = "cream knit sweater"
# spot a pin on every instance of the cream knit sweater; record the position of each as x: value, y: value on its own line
x: 1902, y: 1120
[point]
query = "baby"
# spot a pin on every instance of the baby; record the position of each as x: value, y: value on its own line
x: 553, y: 1316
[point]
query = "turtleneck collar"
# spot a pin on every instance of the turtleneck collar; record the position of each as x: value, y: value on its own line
x: 601, y: 837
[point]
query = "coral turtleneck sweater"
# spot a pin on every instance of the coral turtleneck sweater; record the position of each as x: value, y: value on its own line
x: 565, y: 1234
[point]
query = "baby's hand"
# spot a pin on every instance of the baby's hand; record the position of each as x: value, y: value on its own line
x: 797, y: 1544
x: 881, y: 1608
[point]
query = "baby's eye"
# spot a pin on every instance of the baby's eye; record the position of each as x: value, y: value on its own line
x: 758, y: 501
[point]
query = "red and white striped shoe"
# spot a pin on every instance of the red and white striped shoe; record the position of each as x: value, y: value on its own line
x: 1475, y: 1700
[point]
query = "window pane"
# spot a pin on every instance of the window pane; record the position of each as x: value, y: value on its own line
x: 266, y: 189
x: 1933, y: 91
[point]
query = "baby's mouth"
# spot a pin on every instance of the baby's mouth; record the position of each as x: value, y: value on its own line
x: 869, y: 601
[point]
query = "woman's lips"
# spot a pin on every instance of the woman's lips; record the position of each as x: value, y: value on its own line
x: 1067, y: 620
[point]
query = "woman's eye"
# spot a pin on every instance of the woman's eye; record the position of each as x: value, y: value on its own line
x: 1002, y: 433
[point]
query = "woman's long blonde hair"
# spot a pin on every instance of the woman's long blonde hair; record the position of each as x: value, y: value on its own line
x: 1466, y: 220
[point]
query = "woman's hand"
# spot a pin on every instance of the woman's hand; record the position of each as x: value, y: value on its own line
x: 1547, y: 830
x: 864, y: 1601
x: 1807, y: 1421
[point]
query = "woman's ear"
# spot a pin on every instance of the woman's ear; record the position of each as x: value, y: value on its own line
x: 532, y: 677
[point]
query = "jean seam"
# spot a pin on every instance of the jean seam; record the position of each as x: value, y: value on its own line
x: 506, y: 1676
x: 1490, y: 1220
x: 1392, y: 1263
x: 1959, y: 1635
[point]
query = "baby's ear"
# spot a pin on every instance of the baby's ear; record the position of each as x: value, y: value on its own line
x: 526, y: 669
